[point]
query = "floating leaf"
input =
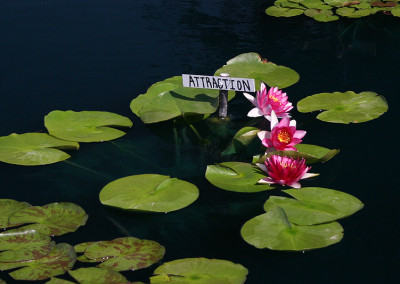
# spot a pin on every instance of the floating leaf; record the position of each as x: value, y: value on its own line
x: 168, y: 99
x: 85, y: 126
x: 200, y: 270
x: 97, y: 275
x: 251, y: 65
x: 241, y: 139
x: 54, y: 280
x: 273, y: 230
x: 345, y: 107
x: 315, y: 205
x: 312, y: 154
x: 9, y: 207
x: 57, y: 262
x: 315, y: 4
x: 24, y: 245
x: 321, y: 15
x: 125, y: 253
x: 149, y: 192
x: 53, y: 219
x: 236, y: 176
x: 283, y: 12
x: 33, y: 149
x: 352, y: 13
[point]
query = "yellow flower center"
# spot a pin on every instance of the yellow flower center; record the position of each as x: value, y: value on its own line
x: 284, y: 136
x: 275, y: 99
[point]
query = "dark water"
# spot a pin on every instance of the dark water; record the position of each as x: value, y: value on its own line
x: 99, y: 55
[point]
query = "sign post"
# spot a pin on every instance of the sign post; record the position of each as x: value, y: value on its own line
x: 224, y: 83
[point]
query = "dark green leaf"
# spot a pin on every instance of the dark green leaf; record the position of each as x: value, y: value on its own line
x: 241, y: 139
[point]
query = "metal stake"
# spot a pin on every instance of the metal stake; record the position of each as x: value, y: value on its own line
x: 223, y: 100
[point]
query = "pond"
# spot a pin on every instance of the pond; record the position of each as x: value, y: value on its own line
x: 99, y: 55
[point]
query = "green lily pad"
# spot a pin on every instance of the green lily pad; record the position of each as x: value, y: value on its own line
x: 290, y: 4
x: 273, y: 230
x: 53, y: 219
x: 125, y: 253
x: 168, y: 99
x: 97, y: 275
x: 241, y: 139
x: 352, y: 12
x: 345, y: 107
x: 236, y: 176
x: 315, y: 205
x: 283, y: 12
x: 54, y: 280
x: 57, y: 262
x: 312, y: 154
x: 9, y: 207
x: 149, y: 192
x: 315, y: 4
x: 251, y: 65
x: 33, y: 149
x: 321, y: 15
x: 24, y: 245
x: 85, y: 126
x: 200, y: 270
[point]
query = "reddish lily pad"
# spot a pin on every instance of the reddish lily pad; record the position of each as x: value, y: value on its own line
x: 24, y: 245
x: 53, y: 219
x: 57, y: 262
x: 200, y: 270
x: 125, y: 253
x: 97, y: 275
x: 9, y: 207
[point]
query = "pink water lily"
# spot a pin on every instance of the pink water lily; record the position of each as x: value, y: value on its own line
x: 283, y: 135
x: 265, y: 102
x: 285, y: 171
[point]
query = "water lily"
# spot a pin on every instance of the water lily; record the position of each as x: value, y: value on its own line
x: 283, y: 135
x: 285, y: 171
x: 265, y: 102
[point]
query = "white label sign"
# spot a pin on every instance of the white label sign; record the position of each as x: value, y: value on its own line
x: 220, y: 83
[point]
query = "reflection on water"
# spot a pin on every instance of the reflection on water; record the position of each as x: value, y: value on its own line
x: 99, y: 55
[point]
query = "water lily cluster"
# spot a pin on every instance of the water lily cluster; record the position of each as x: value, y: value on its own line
x: 283, y: 136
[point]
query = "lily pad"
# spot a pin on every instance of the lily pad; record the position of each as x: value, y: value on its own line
x: 24, y: 245
x: 57, y: 262
x: 241, y: 139
x: 315, y: 4
x: 315, y: 205
x: 321, y: 15
x: 352, y: 12
x: 54, y: 280
x: 168, y: 99
x: 33, y: 149
x: 312, y: 154
x: 273, y: 230
x: 236, y: 176
x: 251, y: 65
x: 97, y: 275
x: 53, y: 219
x: 283, y: 12
x: 200, y: 270
x: 345, y: 107
x: 85, y: 126
x: 149, y: 192
x: 125, y: 253
x: 9, y: 207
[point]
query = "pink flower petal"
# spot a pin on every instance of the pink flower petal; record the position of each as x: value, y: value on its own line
x: 250, y: 98
x: 309, y: 175
x: 266, y: 180
x: 299, y: 134
x: 255, y: 112
x: 263, y: 134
